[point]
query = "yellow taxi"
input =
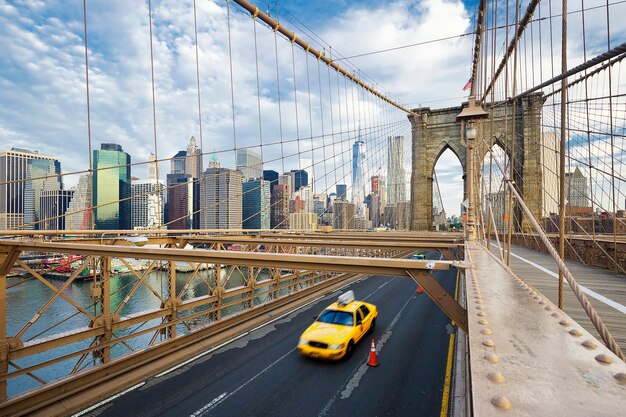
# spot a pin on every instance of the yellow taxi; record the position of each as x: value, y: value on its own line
x: 338, y: 328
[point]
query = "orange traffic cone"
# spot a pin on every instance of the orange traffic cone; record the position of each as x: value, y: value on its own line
x: 419, y: 289
x: 373, y: 360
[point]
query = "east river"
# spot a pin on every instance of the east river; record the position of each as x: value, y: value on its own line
x: 25, y: 297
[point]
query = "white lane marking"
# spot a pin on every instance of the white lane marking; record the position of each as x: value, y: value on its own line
x: 213, y: 349
x: 619, y: 307
x: 213, y: 403
x: 376, y: 290
x: 108, y: 400
x: 180, y: 365
x: 355, y: 379
x: 209, y: 405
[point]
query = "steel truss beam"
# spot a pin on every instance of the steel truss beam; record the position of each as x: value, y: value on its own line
x: 291, y: 277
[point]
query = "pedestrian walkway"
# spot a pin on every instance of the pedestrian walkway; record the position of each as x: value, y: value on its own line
x: 606, y: 290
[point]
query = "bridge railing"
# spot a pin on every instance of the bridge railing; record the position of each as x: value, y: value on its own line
x: 128, y: 304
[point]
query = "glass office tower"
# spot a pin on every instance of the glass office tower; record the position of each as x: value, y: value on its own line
x: 111, y: 183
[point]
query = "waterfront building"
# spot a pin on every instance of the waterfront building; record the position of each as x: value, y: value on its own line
x: 220, y: 199
x: 256, y: 204
x: 53, y: 205
x: 147, y: 204
x: 111, y: 187
x: 78, y: 213
x: 20, y: 199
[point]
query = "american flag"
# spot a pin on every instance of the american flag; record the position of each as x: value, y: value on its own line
x: 468, y: 85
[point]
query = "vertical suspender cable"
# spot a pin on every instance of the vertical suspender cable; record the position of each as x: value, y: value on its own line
x: 154, y: 124
x: 614, y: 209
x: 232, y: 88
x: 90, y: 187
x: 195, y: 29
x: 562, y: 147
x: 513, y: 141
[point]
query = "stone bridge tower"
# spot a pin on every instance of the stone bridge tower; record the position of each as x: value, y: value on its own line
x: 434, y: 131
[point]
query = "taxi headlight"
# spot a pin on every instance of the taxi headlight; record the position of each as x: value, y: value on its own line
x: 335, y: 347
x: 303, y: 342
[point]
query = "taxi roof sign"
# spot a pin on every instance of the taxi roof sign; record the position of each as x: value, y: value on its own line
x: 346, y: 298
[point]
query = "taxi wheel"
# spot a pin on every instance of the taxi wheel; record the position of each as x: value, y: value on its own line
x: 372, y: 326
x: 349, y: 351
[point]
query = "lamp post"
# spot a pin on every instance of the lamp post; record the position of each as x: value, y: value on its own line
x: 468, y: 116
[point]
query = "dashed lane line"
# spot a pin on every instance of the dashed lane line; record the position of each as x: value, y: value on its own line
x: 204, y: 410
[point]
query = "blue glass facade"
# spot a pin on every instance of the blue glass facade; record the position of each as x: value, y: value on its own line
x: 301, y: 179
x: 109, y: 186
x: 256, y: 204
x: 271, y: 176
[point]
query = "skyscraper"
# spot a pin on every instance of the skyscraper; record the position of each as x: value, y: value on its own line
x: 358, y: 164
x: 256, y: 204
x: 287, y: 180
x: 179, y: 163
x: 375, y: 184
x: 306, y: 194
x: 183, y: 202
x: 300, y: 178
x: 550, y: 149
x: 53, y: 205
x: 279, y: 207
x: 111, y: 183
x: 249, y: 163
x: 152, y: 167
x: 396, y: 177
x: 193, y: 163
x: 78, y: 214
x: 342, y: 192
x: 576, y: 189
x: 147, y: 204
x: 271, y: 176
x: 220, y: 199
x: 303, y: 221
x: 19, y: 199
x: 343, y: 215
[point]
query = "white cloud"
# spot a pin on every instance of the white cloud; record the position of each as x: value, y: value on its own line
x: 43, y: 105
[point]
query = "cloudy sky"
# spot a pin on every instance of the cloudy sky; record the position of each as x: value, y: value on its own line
x: 43, y: 96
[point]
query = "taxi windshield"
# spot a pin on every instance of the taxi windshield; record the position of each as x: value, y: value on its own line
x: 336, y: 317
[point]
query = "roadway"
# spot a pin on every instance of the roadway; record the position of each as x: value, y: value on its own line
x: 262, y: 374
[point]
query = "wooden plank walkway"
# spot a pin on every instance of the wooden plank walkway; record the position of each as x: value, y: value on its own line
x: 601, y: 281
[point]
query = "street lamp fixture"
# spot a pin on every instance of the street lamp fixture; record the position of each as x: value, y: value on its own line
x: 468, y: 116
